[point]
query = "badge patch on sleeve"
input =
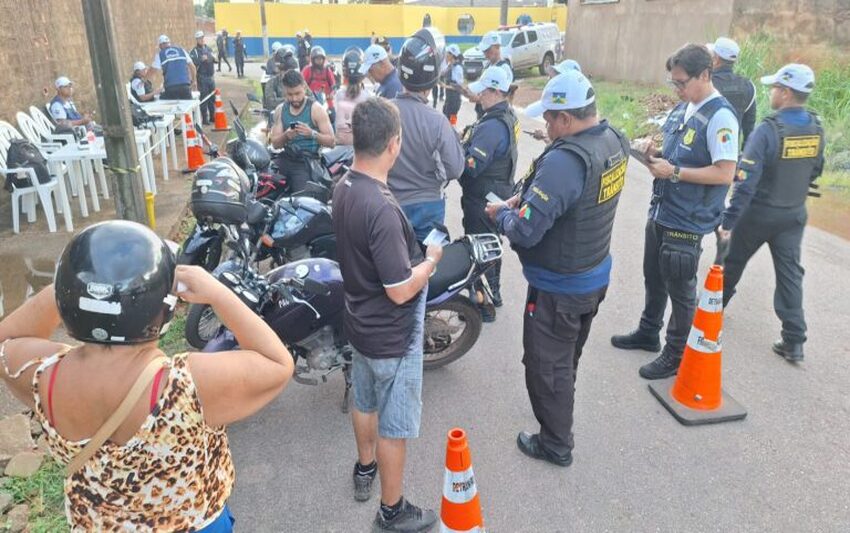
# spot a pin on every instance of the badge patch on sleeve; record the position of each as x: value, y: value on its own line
x: 525, y: 212
x: 471, y: 162
x: 612, y: 182
x: 724, y: 135
x: 802, y: 147
x: 741, y: 175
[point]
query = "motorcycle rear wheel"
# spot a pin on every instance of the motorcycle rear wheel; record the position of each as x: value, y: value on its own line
x: 202, y: 325
x: 445, y: 341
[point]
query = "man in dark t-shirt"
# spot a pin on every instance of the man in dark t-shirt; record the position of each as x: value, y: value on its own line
x: 385, y: 279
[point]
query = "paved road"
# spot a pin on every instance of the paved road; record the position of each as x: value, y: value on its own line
x: 785, y: 468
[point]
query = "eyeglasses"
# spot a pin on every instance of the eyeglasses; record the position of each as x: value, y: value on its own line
x: 679, y: 84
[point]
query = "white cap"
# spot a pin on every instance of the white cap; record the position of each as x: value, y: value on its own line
x: 138, y: 65
x: 725, y: 48
x: 62, y: 81
x: 571, y: 90
x: 490, y: 38
x: 794, y: 76
x: 453, y: 49
x: 374, y: 54
x: 492, y: 78
x: 566, y: 65
x: 199, y: 34
x: 276, y: 46
x: 164, y: 39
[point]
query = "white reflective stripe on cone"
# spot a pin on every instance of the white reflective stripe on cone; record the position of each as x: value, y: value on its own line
x: 698, y: 342
x: 459, y: 487
x: 711, y: 301
x: 444, y: 529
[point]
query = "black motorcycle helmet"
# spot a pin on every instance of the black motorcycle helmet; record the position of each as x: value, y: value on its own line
x: 220, y: 192
x: 420, y: 59
x: 113, y: 284
x: 317, y: 51
x: 251, y: 151
x: 351, y: 61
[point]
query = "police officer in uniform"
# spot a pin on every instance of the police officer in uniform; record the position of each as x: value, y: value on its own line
x: 560, y: 226
x: 781, y: 160
x: 692, y: 175
x: 491, y: 47
x: 490, y: 152
x: 202, y: 58
x: 239, y: 53
x: 178, y: 70
x: 140, y: 86
x: 738, y: 90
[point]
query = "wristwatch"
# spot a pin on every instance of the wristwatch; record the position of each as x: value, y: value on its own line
x: 314, y: 134
x: 675, y: 177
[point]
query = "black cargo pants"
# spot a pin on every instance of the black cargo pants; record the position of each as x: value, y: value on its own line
x: 670, y: 263
x: 555, y: 328
x: 782, y: 230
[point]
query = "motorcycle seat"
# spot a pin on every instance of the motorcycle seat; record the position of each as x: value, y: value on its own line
x: 336, y: 154
x: 452, y: 268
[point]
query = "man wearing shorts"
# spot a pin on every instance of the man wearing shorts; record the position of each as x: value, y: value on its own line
x: 385, y: 278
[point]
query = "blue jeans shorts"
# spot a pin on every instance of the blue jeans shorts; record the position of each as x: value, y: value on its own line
x: 392, y: 387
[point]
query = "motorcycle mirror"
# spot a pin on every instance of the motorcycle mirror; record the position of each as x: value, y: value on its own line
x: 316, y: 287
x: 253, y: 97
x: 256, y: 213
x: 263, y: 67
x: 233, y: 107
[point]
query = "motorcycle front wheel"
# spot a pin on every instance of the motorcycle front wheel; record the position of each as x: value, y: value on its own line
x: 451, y: 330
x: 202, y: 325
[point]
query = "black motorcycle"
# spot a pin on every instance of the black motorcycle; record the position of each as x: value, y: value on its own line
x: 303, y: 302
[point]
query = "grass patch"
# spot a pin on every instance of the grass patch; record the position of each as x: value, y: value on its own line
x: 174, y: 340
x: 44, y: 493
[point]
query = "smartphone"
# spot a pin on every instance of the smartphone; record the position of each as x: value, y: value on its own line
x: 436, y: 237
x: 493, y: 198
x: 292, y: 125
x: 528, y: 132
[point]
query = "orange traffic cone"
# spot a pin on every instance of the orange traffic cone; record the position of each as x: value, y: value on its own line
x: 694, y: 396
x: 461, y: 508
x: 220, y: 116
x: 453, y: 120
x: 194, y: 153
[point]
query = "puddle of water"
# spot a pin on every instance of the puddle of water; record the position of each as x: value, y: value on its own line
x: 21, y: 277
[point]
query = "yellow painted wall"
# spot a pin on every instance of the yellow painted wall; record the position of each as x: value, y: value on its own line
x: 359, y: 20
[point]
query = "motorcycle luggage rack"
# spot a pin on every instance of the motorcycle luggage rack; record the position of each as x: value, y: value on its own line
x: 486, y: 247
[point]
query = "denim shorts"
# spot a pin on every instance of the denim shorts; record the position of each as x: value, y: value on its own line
x: 393, y: 386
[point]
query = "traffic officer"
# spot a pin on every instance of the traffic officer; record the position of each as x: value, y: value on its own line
x: 561, y: 68
x: 431, y: 153
x: 221, y: 46
x: 239, y: 53
x: 378, y: 66
x: 491, y: 47
x: 738, y: 90
x: 490, y: 152
x: 140, y: 86
x: 452, y: 81
x: 202, y: 57
x: 560, y: 226
x: 178, y: 70
x: 781, y: 160
x: 692, y: 175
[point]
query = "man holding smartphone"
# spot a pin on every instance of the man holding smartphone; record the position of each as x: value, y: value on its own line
x: 385, y: 278
x: 490, y: 155
x: 303, y: 129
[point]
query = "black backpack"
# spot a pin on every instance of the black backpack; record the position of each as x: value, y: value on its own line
x: 24, y: 154
x: 141, y: 117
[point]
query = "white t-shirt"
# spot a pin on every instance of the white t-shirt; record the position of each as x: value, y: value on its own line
x: 456, y: 74
x: 138, y: 85
x: 722, y: 131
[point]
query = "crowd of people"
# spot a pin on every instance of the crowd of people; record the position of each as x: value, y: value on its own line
x: 117, y: 282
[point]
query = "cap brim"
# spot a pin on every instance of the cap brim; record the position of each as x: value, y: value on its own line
x: 535, y: 110
x: 476, y: 87
x: 364, y: 68
x: 768, y: 80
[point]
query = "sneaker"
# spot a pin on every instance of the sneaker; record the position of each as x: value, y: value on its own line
x: 488, y: 312
x: 664, y: 366
x: 410, y: 519
x: 637, y: 340
x: 791, y: 351
x: 363, y: 485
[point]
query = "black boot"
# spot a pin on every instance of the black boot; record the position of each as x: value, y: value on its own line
x: 664, y: 366
x: 791, y: 351
x: 637, y: 340
x: 494, y: 281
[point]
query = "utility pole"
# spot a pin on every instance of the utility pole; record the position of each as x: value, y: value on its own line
x: 265, y: 28
x: 503, y: 13
x: 121, y: 157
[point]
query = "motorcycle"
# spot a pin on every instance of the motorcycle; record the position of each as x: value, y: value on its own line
x: 303, y: 303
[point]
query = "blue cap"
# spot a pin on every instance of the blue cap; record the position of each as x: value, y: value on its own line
x: 725, y: 48
x: 571, y: 90
x: 567, y: 65
x: 794, y: 76
x: 490, y: 38
x: 492, y: 78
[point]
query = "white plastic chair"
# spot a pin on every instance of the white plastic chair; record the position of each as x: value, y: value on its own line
x: 47, y: 127
x: 27, y: 196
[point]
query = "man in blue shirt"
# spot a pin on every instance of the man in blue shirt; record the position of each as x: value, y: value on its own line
x: 377, y: 65
x: 560, y: 226
x: 178, y: 71
x: 782, y: 158
x: 62, y: 108
x: 692, y: 175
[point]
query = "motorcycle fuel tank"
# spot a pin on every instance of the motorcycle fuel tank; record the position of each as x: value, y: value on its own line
x: 299, y: 220
x: 293, y: 321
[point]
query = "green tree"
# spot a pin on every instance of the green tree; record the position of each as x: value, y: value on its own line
x: 209, y: 7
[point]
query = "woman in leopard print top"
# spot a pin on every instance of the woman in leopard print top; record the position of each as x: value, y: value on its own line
x: 168, y: 465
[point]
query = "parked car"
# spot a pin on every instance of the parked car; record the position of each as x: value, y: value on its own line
x: 538, y: 44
